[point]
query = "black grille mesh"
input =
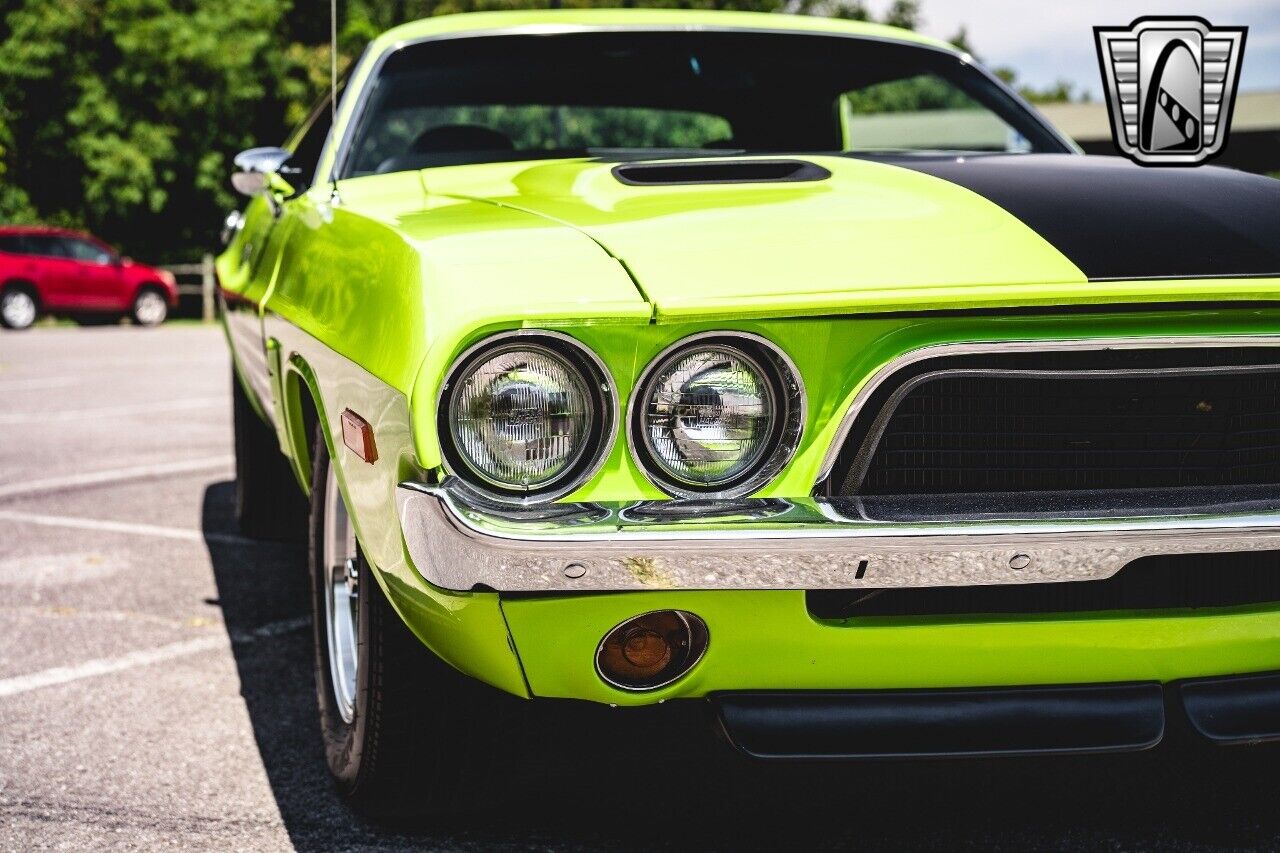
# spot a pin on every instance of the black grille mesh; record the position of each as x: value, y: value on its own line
x: 1150, y: 583
x: 1016, y: 433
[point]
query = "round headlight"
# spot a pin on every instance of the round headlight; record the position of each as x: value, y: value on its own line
x: 719, y: 415
x: 526, y: 417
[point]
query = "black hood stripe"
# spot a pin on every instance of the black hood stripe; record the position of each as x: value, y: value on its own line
x: 1117, y: 220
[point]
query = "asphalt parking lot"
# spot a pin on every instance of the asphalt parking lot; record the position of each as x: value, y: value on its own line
x: 155, y: 679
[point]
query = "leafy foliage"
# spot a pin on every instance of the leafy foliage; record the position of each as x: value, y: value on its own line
x: 118, y: 115
x: 914, y: 94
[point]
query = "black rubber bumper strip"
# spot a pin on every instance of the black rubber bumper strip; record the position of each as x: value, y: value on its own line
x: 944, y: 723
x: 1242, y: 709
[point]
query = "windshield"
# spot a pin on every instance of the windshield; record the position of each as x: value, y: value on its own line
x: 636, y: 94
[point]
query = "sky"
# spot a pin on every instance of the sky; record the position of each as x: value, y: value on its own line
x: 1047, y: 41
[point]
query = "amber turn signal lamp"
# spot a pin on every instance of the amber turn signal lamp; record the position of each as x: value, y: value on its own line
x: 652, y: 650
x: 357, y: 434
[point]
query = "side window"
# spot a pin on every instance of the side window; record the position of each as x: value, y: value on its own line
x: 46, y: 245
x: 83, y: 250
x: 13, y: 244
x: 921, y: 113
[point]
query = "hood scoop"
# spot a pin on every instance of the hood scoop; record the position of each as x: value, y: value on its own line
x: 719, y: 172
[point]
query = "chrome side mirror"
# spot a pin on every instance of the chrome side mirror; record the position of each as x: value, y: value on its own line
x: 262, y: 169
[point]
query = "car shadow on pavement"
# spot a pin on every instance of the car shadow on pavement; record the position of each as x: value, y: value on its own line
x: 587, y: 777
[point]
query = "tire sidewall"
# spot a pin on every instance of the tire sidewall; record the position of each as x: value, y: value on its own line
x: 137, y: 300
x: 240, y: 439
x: 269, y: 503
x: 343, y: 741
x: 419, y: 725
x: 9, y: 293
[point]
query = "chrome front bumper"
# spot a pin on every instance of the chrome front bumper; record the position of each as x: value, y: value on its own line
x: 796, y: 544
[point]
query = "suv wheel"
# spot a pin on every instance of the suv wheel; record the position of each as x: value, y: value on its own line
x: 404, y: 733
x: 150, y: 308
x: 18, y: 309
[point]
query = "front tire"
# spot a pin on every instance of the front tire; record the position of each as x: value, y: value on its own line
x: 18, y: 308
x: 269, y: 502
x: 402, y: 730
x: 150, y: 308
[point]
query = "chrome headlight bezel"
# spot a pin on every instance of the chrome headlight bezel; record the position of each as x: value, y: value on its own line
x: 788, y: 394
x: 597, y: 444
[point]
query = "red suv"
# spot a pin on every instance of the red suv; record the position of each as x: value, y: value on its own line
x: 65, y: 272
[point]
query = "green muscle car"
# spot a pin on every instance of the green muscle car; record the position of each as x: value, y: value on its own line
x: 791, y: 367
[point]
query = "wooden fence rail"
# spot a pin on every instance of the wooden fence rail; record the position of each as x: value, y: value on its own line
x: 204, y: 287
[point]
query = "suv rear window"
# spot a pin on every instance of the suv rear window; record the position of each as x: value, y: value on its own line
x: 46, y: 245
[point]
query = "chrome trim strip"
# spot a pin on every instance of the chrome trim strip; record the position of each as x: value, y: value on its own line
x: 343, y: 149
x: 609, y: 429
x: 769, y: 467
x: 811, y: 545
x: 870, y: 385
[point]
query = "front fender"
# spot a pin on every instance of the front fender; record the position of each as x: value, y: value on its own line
x: 467, y: 630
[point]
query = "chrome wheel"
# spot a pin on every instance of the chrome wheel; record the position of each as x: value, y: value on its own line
x: 341, y: 598
x: 18, y: 309
x: 150, y: 308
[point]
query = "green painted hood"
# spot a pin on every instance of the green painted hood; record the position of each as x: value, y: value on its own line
x: 873, y: 237
x: 870, y: 235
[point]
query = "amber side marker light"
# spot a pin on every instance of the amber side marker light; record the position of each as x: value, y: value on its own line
x: 651, y: 651
x: 357, y: 434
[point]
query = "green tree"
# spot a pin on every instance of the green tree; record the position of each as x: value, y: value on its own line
x: 118, y: 115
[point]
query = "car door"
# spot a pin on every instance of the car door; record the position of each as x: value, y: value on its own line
x: 99, y: 283
x: 55, y: 274
x: 16, y: 260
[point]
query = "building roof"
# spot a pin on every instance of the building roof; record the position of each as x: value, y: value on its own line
x: 1254, y: 111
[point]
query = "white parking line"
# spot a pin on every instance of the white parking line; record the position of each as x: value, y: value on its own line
x: 40, y: 382
x: 112, y: 411
x: 93, y: 478
x: 103, y: 666
x: 104, y: 526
